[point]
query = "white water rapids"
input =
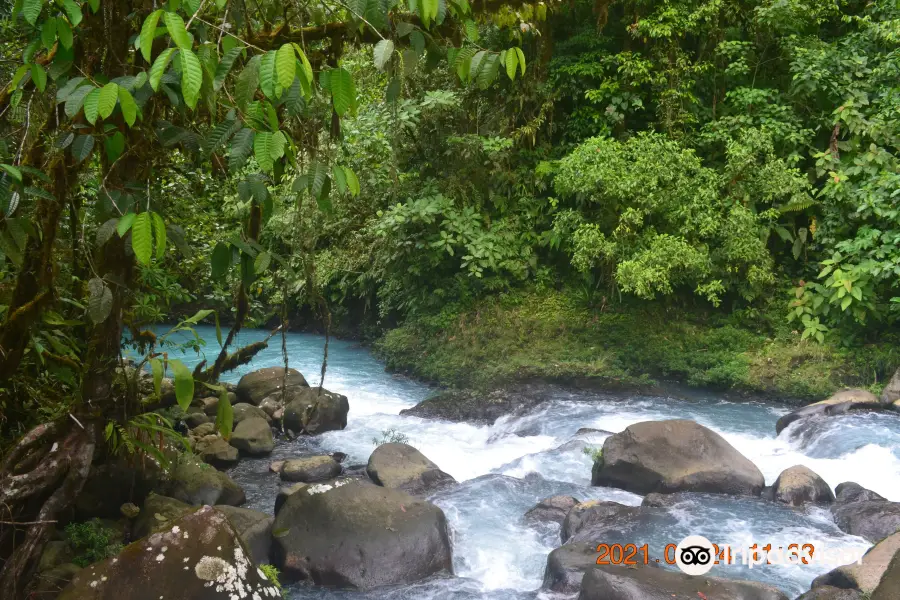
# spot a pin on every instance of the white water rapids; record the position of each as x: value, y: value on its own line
x: 506, y: 468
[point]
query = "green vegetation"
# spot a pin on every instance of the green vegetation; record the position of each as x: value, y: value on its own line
x: 271, y: 574
x: 390, y: 436
x: 91, y: 541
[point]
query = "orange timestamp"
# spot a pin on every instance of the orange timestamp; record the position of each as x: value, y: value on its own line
x: 716, y: 554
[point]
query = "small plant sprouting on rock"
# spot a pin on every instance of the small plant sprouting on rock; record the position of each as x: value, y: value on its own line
x: 91, y: 541
x: 596, y: 454
x: 271, y: 574
x: 391, y: 436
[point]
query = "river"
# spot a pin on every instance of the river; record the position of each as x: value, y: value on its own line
x: 506, y: 468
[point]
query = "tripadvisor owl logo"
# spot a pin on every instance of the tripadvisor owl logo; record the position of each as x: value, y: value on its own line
x: 694, y: 555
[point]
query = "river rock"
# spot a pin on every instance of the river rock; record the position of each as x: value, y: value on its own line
x: 654, y: 583
x: 862, y: 512
x: 199, y: 557
x: 244, y: 411
x: 838, y: 404
x: 209, y: 405
x: 864, y: 576
x: 831, y: 593
x: 475, y: 406
x: 48, y: 584
x: 402, y: 467
x: 360, y: 536
x: 889, y: 588
x: 672, y: 456
x: 566, y: 566
x: 315, y: 410
x: 215, y: 451
x: 203, y: 430
x: 254, y: 387
x: 551, y: 510
x: 197, y: 483
x: 253, y: 436
x: 891, y: 392
x: 799, y: 485
x: 310, y: 469
x: 254, y: 529
x: 286, y: 491
x: 588, y: 518
x: 195, y: 419
x: 272, y: 405
x: 158, y: 511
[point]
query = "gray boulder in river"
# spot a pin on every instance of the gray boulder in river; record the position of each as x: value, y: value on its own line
x: 674, y: 456
x: 838, y: 404
x: 197, y: 483
x: 862, y: 512
x: 587, y: 520
x: 474, y: 406
x: 866, y: 575
x: 799, y: 485
x: 315, y: 410
x: 253, y: 436
x: 889, y: 588
x: 256, y: 386
x: 358, y: 535
x: 402, y: 467
x: 254, y: 528
x: 551, y: 510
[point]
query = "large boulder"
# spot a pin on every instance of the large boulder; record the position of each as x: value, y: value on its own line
x: 254, y: 529
x: 253, y: 436
x: 48, y: 584
x: 199, y: 557
x: 889, y: 588
x: 585, y: 520
x: 359, y: 536
x: 838, y: 404
x: 862, y: 512
x: 244, y: 411
x: 215, y: 451
x: 402, y: 467
x: 799, y: 485
x: 654, y: 583
x: 157, y: 512
x: 475, y: 406
x: 891, y: 391
x: 254, y: 387
x: 673, y: 456
x: 831, y: 593
x: 567, y: 565
x: 551, y: 510
x: 197, y: 483
x: 310, y: 469
x: 315, y: 410
x: 865, y: 575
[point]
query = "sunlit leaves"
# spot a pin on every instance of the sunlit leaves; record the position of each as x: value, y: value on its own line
x: 148, y: 33
x: 31, y: 10
x: 73, y: 11
x: 128, y: 106
x: 159, y: 67
x: 224, y: 66
x: 267, y: 148
x: 224, y: 415
x: 106, y: 100
x: 184, y: 384
x: 179, y: 35
x: 191, y: 77
x: 343, y: 92
x: 285, y: 65
x: 267, y: 80
x: 39, y: 76
x: 382, y: 53
x: 156, y: 367
x: 512, y: 63
x: 159, y: 234
x: 91, y: 106
x: 428, y: 10
x: 142, y: 238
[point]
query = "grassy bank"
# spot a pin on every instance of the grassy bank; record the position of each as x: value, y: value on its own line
x: 551, y: 335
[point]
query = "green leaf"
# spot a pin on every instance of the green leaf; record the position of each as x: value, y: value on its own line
x: 340, y: 178
x: 179, y: 35
x: 306, y: 72
x: 224, y: 416
x: 191, y: 77
x: 159, y: 234
x: 352, y: 181
x: 224, y: 66
x: 125, y: 224
x: 13, y: 172
x: 82, y: 147
x: 428, y: 11
x: 48, y: 32
x: 261, y: 150
x: 31, y: 10
x: 221, y: 260
x: 247, y: 83
x: 159, y: 67
x: 382, y: 53
x: 267, y: 81
x: 128, y: 106
x: 319, y: 175
x: 64, y: 32
x: 106, y: 101
x: 73, y: 11
x: 106, y: 231
x: 75, y: 100
x: 39, y: 76
x: 100, y: 301
x: 142, y: 238
x: 343, y: 92
x: 148, y: 34
x: 115, y: 146
x: 487, y: 73
x: 241, y: 147
x: 263, y: 259
x: 417, y: 41
x: 95, y: 5
x: 512, y: 63
x: 184, y: 384
x: 521, y: 56
x: 285, y: 65
x: 91, y: 106
x: 156, y: 366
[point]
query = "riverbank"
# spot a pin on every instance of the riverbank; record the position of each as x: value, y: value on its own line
x: 549, y: 335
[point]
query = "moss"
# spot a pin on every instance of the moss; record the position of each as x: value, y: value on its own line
x: 550, y: 335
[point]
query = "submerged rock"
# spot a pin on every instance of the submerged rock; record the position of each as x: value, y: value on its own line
x: 799, y: 485
x: 359, y: 536
x: 402, y: 467
x: 199, y: 557
x: 315, y: 410
x: 862, y: 512
x: 253, y: 436
x: 566, y: 566
x: 586, y: 520
x: 838, y: 404
x: 477, y: 407
x: 551, y: 510
x: 310, y: 469
x: 866, y: 575
x: 672, y: 456
x: 256, y: 386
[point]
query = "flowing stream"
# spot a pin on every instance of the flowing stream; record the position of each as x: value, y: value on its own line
x: 506, y: 468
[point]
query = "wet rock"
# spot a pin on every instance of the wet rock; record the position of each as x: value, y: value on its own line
x: 310, y: 469
x: 665, y: 500
x: 891, y: 391
x: 195, y: 419
x: 799, y: 485
x: 284, y: 492
x: 551, y: 510
x: 402, y: 467
x: 157, y: 513
x: 204, y: 430
x: 585, y: 520
x: 475, y: 406
x: 862, y: 512
x: 276, y: 465
x: 651, y: 583
x: 838, y: 404
x: 244, y: 411
x: 253, y: 436
x: 199, y: 557
x: 272, y: 405
x: 592, y: 431
x: 315, y: 410
x: 209, y: 405
x: 197, y: 483
x: 48, y: 584
x: 254, y: 529
x: 672, y: 456
x: 129, y: 510
x: 889, y: 588
x: 831, y: 593
x: 864, y: 576
x: 254, y: 387
x: 360, y: 536
x: 56, y: 553
x: 566, y: 567
x: 215, y: 451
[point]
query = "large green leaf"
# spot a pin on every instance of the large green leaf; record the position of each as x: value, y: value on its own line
x: 261, y: 150
x: 428, y: 11
x: 91, y: 104
x: 247, y: 83
x: 179, y: 35
x: 521, y: 56
x: 262, y: 262
x: 148, y: 33
x: 224, y: 415
x: 142, y: 238
x: 128, y: 105
x: 285, y: 65
x: 352, y: 181
x: 224, y: 66
x: 184, y: 384
x: 241, y: 148
x: 75, y: 100
x: 106, y: 101
x: 48, y: 32
x: 267, y: 81
x: 73, y: 11
x: 156, y: 366
x: 125, y: 223
x: 159, y: 234
x: 115, y: 146
x: 382, y: 53
x: 100, y: 300
x: 159, y: 67
x: 221, y: 260
x: 343, y: 92
x: 64, y: 32
x: 487, y: 73
x: 306, y: 73
x: 340, y: 178
x: 31, y: 10
x: 39, y: 76
x: 512, y: 63
x: 82, y: 147
x: 191, y: 77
